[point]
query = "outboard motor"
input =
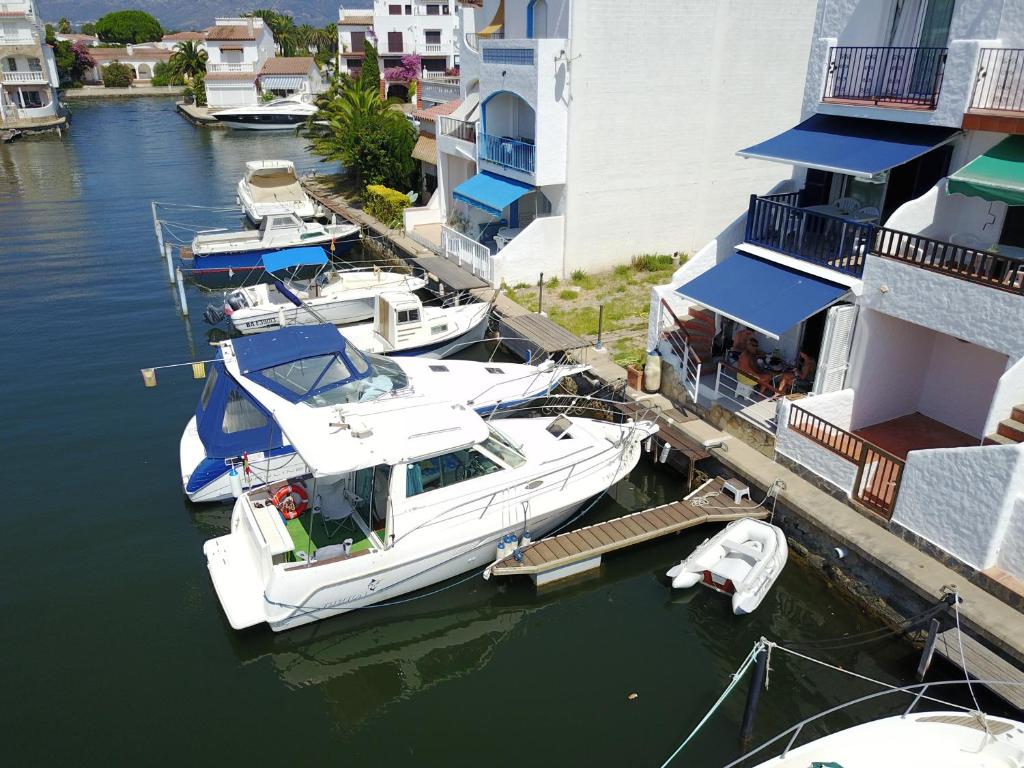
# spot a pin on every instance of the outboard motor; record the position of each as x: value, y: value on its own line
x: 213, y: 315
x: 234, y: 301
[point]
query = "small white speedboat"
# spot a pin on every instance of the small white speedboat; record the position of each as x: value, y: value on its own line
x: 277, y: 115
x: 402, y: 325
x: 743, y: 560
x: 335, y: 297
x: 272, y: 186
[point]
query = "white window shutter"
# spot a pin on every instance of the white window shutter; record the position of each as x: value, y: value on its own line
x: 835, y: 348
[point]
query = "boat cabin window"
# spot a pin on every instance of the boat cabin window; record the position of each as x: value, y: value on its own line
x: 371, y: 497
x: 281, y: 222
x: 502, y: 448
x: 211, y: 383
x: 408, y: 316
x: 447, y: 470
x: 357, y: 361
x: 301, y: 376
x: 240, y: 414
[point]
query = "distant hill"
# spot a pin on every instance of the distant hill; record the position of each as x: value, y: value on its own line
x: 195, y: 14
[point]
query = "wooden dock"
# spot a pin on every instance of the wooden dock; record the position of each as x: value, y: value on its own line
x: 983, y: 664
x: 577, y: 551
x: 683, y: 451
x: 534, y: 336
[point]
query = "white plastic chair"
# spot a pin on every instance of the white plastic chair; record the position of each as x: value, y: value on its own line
x: 869, y: 212
x: 847, y: 204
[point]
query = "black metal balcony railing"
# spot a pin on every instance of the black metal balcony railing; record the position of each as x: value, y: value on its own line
x: 884, y: 75
x: 517, y: 155
x: 808, y: 235
x: 458, y: 129
x: 1000, y: 81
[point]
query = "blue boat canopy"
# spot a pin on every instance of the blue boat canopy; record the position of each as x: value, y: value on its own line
x: 850, y: 145
x: 231, y: 422
x: 293, y: 257
x: 766, y: 297
x: 490, y: 193
x: 264, y: 350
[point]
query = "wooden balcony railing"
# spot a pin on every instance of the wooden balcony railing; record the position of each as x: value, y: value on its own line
x: 517, y: 155
x: 988, y: 268
x: 999, y: 85
x: 885, y: 75
x: 458, y: 129
x: 877, y: 483
x: 807, y: 235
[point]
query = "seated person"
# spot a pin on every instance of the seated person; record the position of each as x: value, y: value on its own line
x: 805, y: 370
x: 768, y: 383
x: 740, y: 337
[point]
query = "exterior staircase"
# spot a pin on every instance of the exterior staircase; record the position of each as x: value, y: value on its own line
x: 698, y: 329
x: 1009, y: 431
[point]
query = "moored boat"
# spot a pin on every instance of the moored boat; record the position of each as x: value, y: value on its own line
x: 400, y: 497
x: 742, y: 560
x: 317, y: 367
x: 337, y: 297
x: 272, y: 186
x: 277, y: 115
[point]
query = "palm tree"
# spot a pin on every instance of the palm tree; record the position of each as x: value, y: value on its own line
x: 188, y: 59
x: 281, y: 26
x: 305, y: 37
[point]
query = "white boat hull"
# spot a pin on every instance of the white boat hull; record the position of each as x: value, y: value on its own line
x: 743, y: 560
x: 337, y: 312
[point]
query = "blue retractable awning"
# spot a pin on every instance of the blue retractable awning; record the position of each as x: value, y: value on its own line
x: 293, y: 257
x: 767, y: 297
x: 490, y: 193
x: 851, y: 145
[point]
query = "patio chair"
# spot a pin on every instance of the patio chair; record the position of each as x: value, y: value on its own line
x: 847, y: 204
x: 744, y: 386
x: 870, y: 211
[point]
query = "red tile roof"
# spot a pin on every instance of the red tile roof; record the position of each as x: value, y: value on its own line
x: 121, y: 54
x: 287, y: 65
x: 230, y: 32
x: 441, y: 110
x: 362, y: 21
x: 184, y: 36
x: 238, y: 77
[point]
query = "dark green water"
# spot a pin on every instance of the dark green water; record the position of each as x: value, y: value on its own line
x: 114, y: 647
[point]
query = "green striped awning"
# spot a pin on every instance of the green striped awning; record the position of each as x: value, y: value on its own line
x: 996, y: 175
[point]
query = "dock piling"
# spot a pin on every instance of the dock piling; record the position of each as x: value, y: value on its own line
x: 753, y: 697
x: 928, y: 651
x: 156, y: 227
x: 181, y: 293
x: 169, y: 252
x: 600, y: 325
x: 540, y: 295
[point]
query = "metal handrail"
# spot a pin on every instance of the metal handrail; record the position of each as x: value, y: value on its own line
x: 999, y: 83
x: 885, y: 74
x: 919, y: 688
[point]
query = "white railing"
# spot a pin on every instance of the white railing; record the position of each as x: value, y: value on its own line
x: 440, y: 90
x: 432, y: 47
x: 21, y: 37
x: 236, y: 67
x: 23, y: 77
x: 467, y: 253
x: 442, y: 76
x: 745, y: 398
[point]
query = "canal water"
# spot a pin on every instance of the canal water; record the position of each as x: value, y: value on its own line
x: 115, y: 647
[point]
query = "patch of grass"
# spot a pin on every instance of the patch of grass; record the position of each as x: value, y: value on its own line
x: 521, y: 286
x: 568, y: 294
x: 580, y: 321
x: 651, y: 262
x: 552, y: 283
x: 622, y: 270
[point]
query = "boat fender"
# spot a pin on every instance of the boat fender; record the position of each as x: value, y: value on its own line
x: 285, y: 502
x: 282, y: 320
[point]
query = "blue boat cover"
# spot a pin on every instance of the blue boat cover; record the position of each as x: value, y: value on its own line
x: 294, y: 257
x: 764, y: 296
x: 283, y: 290
x: 265, y: 350
x: 850, y: 145
x: 230, y: 421
x: 490, y: 193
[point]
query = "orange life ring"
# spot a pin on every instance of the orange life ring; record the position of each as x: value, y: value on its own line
x: 286, y: 504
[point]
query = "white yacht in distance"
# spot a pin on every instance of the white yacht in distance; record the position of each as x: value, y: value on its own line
x: 272, y: 186
x: 339, y: 297
x: 315, y: 366
x: 399, y: 497
x: 277, y: 115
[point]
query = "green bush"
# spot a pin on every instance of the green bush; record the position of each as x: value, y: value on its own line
x: 118, y: 75
x: 651, y: 262
x: 165, y: 74
x: 127, y: 27
x: 623, y: 270
x: 386, y: 204
x: 197, y: 90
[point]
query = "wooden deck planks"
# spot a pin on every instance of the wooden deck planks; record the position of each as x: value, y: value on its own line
x: 982, y: 664
x: 595, y: 540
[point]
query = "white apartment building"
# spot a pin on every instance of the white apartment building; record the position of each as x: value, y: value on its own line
x: 427, y: 28
x: 237, y: 49
x: 28, y: 72
x: 893, y: 256
x: 592, y: 131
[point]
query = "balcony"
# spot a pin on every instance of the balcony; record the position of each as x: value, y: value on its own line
x: 508, y: 153
x: 439, y: 90
x: 16, y: 10
x: 473, y: 39
x: 23, y: 78
x: 457, y: 129
x: 884, y: 76
x: 433, y: 48
x: 777, y: 222
x: 999, y: 86
x: 234, y: 67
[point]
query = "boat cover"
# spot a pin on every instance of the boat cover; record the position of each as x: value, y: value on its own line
x: 265, y: 350
x: 490, y: 192
x: 766, y: 297
x: 230, y: 421
x: 294, y: 257
x: 850, y: 145
x: 997, y: 175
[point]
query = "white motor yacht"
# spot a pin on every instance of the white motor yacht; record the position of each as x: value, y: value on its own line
x: 277, y: 115
x: 399, y: 497
x: 338, y: 297
x: 272, y: 186
x: 316, y: 367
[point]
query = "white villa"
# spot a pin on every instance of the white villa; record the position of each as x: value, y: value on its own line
x: 28, y: 72
x: 427, y: 28
x: 578, y: 150
x: 893, y: 256
x: 237, y: 49
x: 142, y: 58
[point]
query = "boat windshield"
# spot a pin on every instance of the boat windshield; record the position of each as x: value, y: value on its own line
x: 501, y: 447
x: 378, y: 376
